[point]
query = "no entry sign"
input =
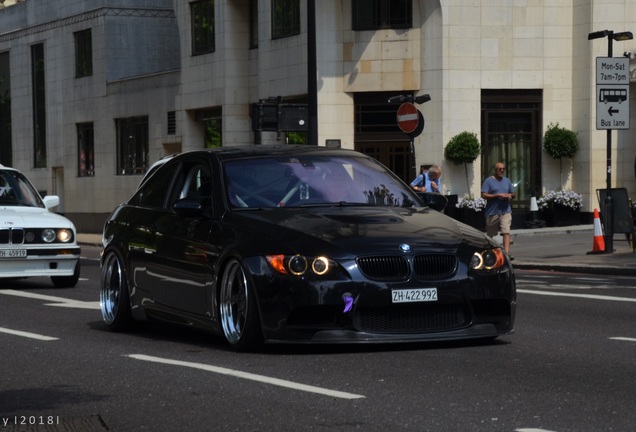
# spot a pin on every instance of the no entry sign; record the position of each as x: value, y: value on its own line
x: 407, y: 117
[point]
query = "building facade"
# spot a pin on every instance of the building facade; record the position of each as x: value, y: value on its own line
x: 92, y: 92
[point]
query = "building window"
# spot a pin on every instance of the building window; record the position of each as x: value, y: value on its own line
x: 382, y: 14
x: 211, y: 120
x: 39, y: 105
x: 172, y: 123
x: 213, y: 132
x: 6, y: 148
x: 85, y: 150
x: 83, y: 53
x: 202, y: 13
x: 132, y: 145
x: 285, y: 18
x: 253, y: 23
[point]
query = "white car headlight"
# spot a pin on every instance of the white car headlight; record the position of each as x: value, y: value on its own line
x: 64, y: 235
x: 48, y: 235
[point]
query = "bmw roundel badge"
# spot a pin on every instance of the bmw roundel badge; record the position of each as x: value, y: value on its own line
x: 405, y: 248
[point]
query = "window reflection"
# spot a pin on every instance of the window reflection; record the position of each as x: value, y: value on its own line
x: 313, y: 181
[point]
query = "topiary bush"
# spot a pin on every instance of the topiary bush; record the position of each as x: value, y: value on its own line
x: 463, y: 148
x: 559, y: 143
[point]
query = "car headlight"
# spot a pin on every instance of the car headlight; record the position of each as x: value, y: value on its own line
x: 488, y: 259
x: 299, y: 265
x: 48, y: 235
x: 63, y: 235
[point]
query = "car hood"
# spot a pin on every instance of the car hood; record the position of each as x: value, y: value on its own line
x: 31, y: 217
x: 360, y: 230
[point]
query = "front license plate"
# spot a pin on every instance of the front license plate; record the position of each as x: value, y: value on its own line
x: 13, y: 253
x: 414, y: 295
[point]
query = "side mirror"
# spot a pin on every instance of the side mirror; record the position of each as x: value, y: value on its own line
x: 188, y: 207
x: 51, y: 201
x: 433, y: 200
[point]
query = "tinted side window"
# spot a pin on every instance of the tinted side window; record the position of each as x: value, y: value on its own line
x: 198, y: 184
x: 154, y: 192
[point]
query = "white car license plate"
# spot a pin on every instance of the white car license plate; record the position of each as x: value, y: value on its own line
x: 13, y: 253
x: 414, y: 295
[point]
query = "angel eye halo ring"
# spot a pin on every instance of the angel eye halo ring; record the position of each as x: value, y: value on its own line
x: 299, y: 265
x: 488, y: 259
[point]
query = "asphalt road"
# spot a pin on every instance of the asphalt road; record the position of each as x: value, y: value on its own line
x: 568, y: 367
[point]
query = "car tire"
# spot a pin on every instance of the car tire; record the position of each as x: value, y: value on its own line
x: 237, y: 309
x: 114, y: 299
x: 67, y: 281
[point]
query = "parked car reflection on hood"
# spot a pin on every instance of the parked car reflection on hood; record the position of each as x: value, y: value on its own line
x: 298, y: 244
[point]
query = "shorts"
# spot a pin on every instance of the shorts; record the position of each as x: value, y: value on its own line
x: 499, y: 223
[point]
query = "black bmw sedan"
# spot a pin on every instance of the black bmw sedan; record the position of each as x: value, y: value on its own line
x: 298, y: 244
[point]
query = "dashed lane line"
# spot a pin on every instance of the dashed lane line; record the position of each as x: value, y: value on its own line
x: 624, y: 339
x: 587, y: 296
x: 27, y: 334
x: 250, y: 376
x: 56, y: 301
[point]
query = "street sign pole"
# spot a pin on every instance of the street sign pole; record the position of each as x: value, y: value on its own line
x: 609, y: 205
x: 612, y: 86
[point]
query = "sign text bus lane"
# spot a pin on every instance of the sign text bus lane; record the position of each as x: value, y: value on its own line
x: 612, y: 106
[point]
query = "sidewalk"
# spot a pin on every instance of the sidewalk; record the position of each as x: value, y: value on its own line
x: 566, y: 249
x: 559, y: 249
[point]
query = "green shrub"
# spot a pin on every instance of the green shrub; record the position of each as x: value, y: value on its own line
x: 463, y: 148
x: 559, y: 142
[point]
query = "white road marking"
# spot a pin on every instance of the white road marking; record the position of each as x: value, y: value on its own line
x: 27, y: 334
x: 577, y: 286
x: 249, y: 376
x: 588, y: 296
x: 532, y: 430
x: 57, y: 301
x: 619, y: 338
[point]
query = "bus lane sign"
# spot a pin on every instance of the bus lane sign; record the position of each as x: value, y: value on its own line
x: 612, y: 93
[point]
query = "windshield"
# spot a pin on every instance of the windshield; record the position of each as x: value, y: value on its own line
x: 313, y: 180
x: 15, y: 190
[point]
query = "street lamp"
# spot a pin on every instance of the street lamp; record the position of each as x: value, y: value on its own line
x: 608, y: 211
x: 312, y: 75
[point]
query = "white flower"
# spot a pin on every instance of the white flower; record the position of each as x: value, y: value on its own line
x: 467, y: 201
x: 566, y: 198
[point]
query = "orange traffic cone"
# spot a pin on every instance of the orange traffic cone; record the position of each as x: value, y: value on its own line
x: 599, y: 241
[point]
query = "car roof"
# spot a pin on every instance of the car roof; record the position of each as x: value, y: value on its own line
x: 251, y: 150
x: 257, y: 150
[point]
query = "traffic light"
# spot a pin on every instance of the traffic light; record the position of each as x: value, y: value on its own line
x: 264, y: 117
x: 279, y: 117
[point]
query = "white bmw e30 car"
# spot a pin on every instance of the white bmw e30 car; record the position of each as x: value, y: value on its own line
x: 33, y: 240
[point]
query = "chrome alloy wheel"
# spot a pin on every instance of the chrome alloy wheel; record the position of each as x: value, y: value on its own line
x: 233, y: 302
x: 113, y: 299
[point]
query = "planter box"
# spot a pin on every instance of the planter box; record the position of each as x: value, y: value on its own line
x: 559, y: 215
x: 476, y: 219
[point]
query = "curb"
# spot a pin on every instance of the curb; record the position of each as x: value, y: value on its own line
x: 577, y: 268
